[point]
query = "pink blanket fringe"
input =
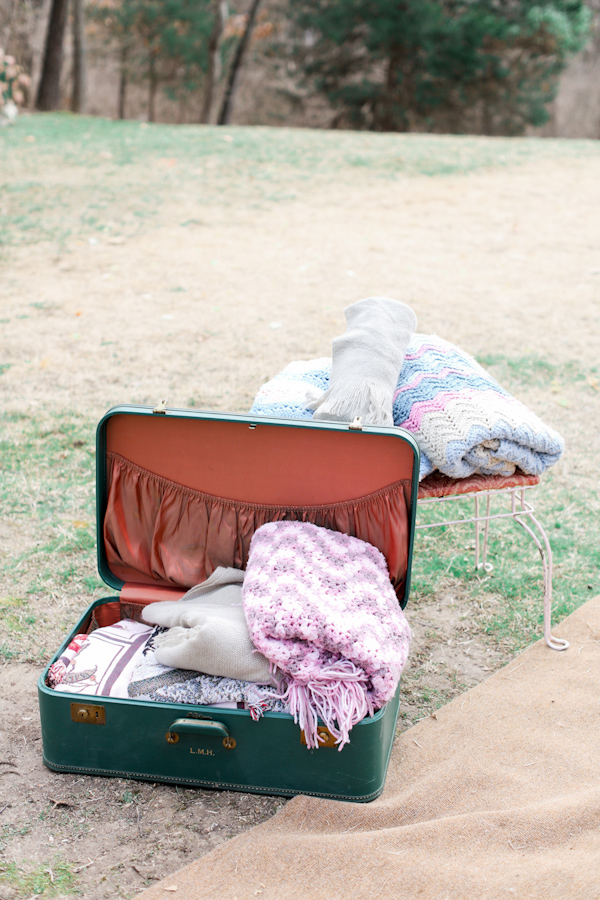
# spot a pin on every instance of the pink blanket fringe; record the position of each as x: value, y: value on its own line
x: 338, y: 696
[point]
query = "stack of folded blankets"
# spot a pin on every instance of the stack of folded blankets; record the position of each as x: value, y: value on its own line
x: 313, y: 628
x: 464, y: 422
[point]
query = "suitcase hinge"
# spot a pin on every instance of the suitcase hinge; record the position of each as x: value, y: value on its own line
x: 356, y: 424
x: 161, y: 409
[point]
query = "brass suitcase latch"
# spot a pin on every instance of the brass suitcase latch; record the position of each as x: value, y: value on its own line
x: 87, y: 712
x: 326, y: 739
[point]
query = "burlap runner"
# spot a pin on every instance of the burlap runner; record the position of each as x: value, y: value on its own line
x: 496, y: 796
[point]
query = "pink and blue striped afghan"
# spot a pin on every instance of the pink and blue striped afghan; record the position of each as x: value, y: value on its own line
x: 463, y: 421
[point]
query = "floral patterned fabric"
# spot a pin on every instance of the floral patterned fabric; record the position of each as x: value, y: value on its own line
x: 104, y: 662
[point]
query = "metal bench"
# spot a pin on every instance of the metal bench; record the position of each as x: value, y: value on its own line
x: 437, y: 488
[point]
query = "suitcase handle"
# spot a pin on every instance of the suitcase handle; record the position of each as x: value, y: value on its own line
x: 200, y: 726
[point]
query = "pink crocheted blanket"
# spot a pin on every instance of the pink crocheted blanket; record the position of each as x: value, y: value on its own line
x: 320, y: 607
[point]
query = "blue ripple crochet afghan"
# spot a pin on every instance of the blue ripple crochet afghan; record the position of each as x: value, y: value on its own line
x: 463, y: 421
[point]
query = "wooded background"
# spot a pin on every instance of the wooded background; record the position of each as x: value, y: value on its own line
x: 483, y: 67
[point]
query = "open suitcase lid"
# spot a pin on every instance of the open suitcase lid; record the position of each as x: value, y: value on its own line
x: 181, y: 491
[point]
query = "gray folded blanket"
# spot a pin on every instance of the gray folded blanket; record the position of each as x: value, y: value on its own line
x: 366, y: 363
x: 207, y: 631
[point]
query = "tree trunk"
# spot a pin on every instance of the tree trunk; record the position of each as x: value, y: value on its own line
x: 7, y: 25
x: 123, y: 78
x: 388, y: 119
x: 214, y: 59
x: 78, y: 100
x: 48, y: 96
x: 152, y: 89
x: 232, y: 81
x: 487, y: 119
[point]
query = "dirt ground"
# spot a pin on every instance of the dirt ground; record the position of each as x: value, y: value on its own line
x: 503, y: 261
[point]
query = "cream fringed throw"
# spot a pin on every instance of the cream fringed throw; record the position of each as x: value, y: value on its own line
x: 320, y: 607
x: 208, y: 632
x: 366, y: 362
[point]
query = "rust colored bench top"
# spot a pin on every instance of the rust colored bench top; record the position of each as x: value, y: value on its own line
x: 438, y: 485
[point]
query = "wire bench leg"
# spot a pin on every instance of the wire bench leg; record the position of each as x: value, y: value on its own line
x: 546, y: 554
x: 522, y: 512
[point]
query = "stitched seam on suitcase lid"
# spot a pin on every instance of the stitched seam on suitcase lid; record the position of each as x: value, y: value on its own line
x: 247, y: 504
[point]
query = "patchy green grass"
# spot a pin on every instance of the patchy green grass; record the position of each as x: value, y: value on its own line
x: 87, y: 141
x: 45, y: 879
x: 513, y: 589
x: 533, y: 370
x: 8, y: 832
x: 75, y: 177
x: 47, y: 502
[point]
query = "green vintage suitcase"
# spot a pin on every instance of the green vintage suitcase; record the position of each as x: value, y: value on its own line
x: 181, y: 491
